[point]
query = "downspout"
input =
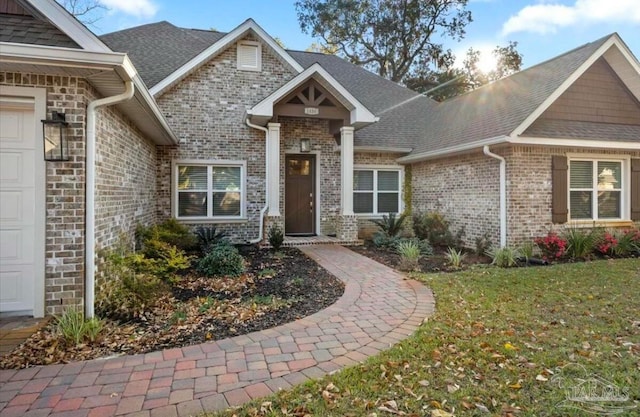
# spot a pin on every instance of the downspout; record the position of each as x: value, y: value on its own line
x: 90, y: 169
x: 503, y: 194
x: 266, y: 188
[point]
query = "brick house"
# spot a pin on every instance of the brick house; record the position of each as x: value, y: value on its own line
x: 232, y: 130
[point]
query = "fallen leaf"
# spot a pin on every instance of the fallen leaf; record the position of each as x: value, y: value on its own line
x: 440, y: 413
x: 541, y: 378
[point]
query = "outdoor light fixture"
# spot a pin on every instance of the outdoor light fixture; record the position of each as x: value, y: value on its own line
x: 305, y: 145
x: 56, y: 147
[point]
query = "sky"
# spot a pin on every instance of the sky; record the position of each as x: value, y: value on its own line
x: 542, y: 28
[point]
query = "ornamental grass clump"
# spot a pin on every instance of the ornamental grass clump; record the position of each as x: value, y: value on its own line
x: 580, y: 242
x: 504, y: 257
x: 409, y: 251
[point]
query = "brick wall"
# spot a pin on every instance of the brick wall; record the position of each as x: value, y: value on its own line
x: 125, y: 185
x: 465, y: 189
x: 207, y: 112
x: 529, y: 189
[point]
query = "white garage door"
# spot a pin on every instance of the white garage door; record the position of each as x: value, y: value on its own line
x: 18, y: 188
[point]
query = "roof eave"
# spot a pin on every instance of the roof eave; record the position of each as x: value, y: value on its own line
x: 452, y: 150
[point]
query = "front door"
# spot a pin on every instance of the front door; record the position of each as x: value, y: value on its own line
x: 17, y: 208
x: 299, y: 195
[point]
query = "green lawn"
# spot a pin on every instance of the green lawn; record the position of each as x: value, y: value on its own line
x: 497, y: 345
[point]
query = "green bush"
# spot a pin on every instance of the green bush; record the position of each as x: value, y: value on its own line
x: 222, y: 260
x: 127, y: 291
x: 580, y: 242
x: 276, y: 237
x: 382, y: 240
x: 73, y: 327
x: 409, y: 251
x: 436, y: 229
x: 390, y: 225
x: 160, y: 259
x: 172, y: 232
x: 504, y: 257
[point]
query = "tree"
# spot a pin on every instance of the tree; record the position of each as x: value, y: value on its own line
x: 450, y: 81
x: 389, y: 37
x: 86, y: 11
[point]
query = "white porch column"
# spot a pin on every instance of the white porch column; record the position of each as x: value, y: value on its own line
x: 346, y: 170
x: 273, y: 169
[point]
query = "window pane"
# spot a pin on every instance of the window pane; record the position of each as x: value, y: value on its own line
x: 580, y: 205
x: 226, y: 204
x: 363, y: 180
x: 299, y: 167
x: 609, y: 205
x: 581, y: 173
x: 192, y: 178
x: 388, y: 180
x: 226, y: 178
x: 363, y: 202
x: 192, y: 204
x: 388, y: 203
x: 609, y: 175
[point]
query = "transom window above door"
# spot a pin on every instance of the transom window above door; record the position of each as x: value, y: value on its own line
x: 209, y: 191
x: 376, y: 191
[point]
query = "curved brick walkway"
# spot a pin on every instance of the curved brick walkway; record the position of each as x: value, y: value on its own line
x: 379, y: 308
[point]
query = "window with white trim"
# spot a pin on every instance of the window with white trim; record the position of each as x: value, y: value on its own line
x: 209, y: 191
x: 249, y: 56
x: 597, y: 189
x: 376, y: 191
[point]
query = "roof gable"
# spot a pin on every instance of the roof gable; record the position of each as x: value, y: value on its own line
x: 359, y: 114
x: 249, y: 26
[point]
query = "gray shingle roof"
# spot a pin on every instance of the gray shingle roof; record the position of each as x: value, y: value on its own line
x: 158, y: 49
x: 30, y: 30
x: 499, y: 108
x: 566, y: 129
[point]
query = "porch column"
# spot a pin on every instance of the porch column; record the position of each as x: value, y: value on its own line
x: 346, y: 171
x: 273, y: 169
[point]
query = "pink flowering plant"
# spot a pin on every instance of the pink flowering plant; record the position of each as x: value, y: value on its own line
x: 552, y: 246
x: 607, y: 244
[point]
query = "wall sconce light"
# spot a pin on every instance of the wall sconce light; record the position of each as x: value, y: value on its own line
x: 305, y: 145
x: 56, y: 147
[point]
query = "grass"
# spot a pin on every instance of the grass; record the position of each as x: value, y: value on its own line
x: 496, y: 346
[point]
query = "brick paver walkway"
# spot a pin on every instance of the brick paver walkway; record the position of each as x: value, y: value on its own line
x: 379, y: 308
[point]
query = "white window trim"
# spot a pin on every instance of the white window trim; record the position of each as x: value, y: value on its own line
x: 625, y: 190
x: 258, y: 66
x: 209, y: 163
x: 375, y: 169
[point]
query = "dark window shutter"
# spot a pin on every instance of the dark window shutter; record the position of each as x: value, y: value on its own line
x: 635, y: 189
x: 560, y: 189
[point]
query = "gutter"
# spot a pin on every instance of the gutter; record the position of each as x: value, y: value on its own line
x: 503, y: 194
x: 263, y: 211
x: 90, y: 229
x: 423, y: 156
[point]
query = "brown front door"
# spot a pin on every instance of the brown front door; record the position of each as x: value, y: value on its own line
x: 299, y: 210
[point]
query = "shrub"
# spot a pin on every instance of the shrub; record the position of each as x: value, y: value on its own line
x: 73, y: 327
x: 171, y: 232
x: 409, y: 252
x: 455, y: 257
x: 126, y: 293
x: 483, y: 244
x: 504, y: 257
x: 160, y: 259
x: 580, y: 243
x: 208, y: 237
x: 607, y: 244
x: 276, y: 237
x: 222, y: 260
x: 552, y: 246
x: 390, y: 225
x: 435, y: 228
x: 382, y: 240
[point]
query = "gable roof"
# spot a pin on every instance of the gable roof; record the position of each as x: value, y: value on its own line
x: 158, y: 49
x: 360, y: 114
x: 499, y: 111
x: 29, y: 29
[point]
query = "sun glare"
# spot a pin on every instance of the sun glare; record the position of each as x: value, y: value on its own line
x: 487, y: 61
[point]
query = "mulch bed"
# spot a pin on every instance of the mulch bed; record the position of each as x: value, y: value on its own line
x: 434, y: 263
x: 279, y: 287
